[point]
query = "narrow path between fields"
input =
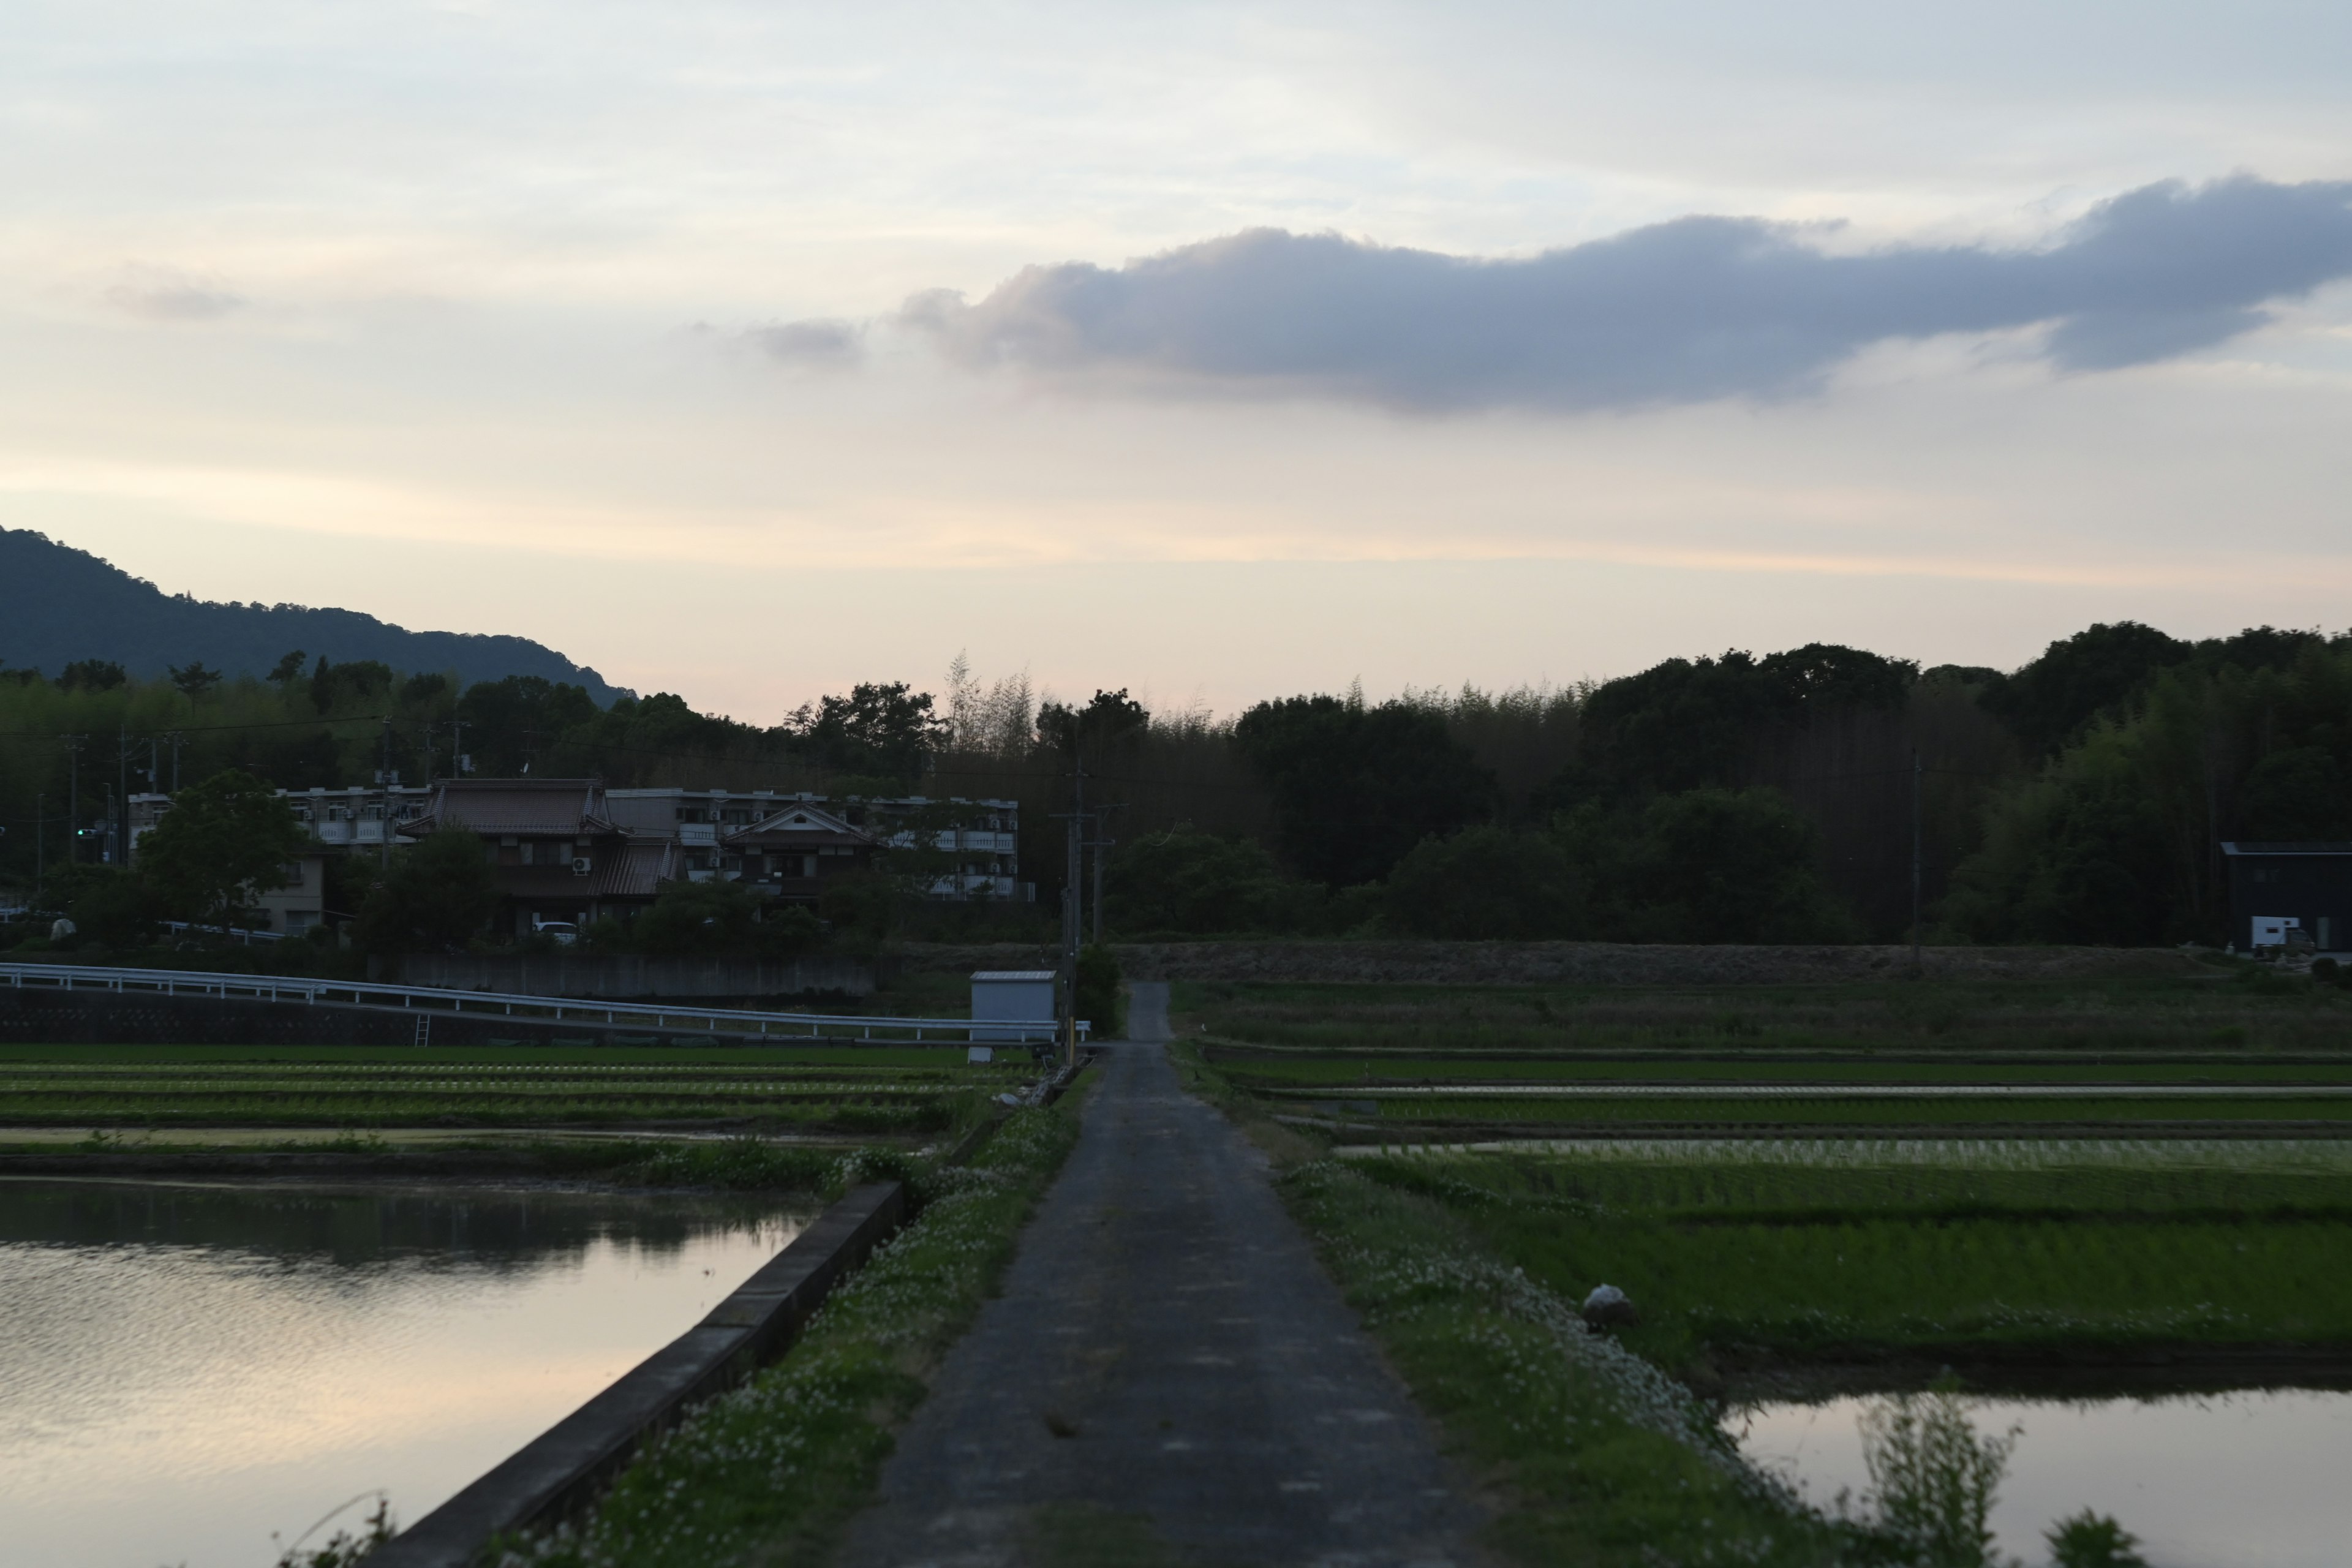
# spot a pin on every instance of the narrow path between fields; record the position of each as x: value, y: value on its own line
x: 1168, y: 1377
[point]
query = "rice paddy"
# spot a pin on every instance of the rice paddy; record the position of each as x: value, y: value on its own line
x: 905, y: 1092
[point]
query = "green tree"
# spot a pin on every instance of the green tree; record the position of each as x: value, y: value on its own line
x: 2078, y: 679
x: 1111, y: 717
x: 1706, y: 866
x: 713, y: 917
x: 1199, y: 884
x: 1099, y: 1000
x: 1688, y: 723
x: 92, y: 675
x: 437, y: 895
x: 1355, y: 788
x: 223, y: 842
x: 2092, y: 1539
x: 1486, y: 882
x: 886, y: 730
x: 193, y: 679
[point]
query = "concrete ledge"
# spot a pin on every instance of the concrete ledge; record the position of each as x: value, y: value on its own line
x: 564, y: 1469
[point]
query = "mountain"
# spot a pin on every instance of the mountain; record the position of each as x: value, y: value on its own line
x: 58, y: 605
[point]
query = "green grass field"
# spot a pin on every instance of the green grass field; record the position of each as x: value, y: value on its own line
x: 2243, y: 1009
x: 885, y: 1091
x: 1835, y: 1259
x: 2197, y: 1054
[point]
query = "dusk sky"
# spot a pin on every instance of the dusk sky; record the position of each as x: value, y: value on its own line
x: 1218, y: 351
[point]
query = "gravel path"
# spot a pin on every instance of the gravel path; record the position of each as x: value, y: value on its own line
x: 1168, y: 1377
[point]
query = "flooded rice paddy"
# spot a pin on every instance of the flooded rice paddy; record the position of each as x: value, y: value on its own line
x: 2247, y: 1480
x: 195, y: 1374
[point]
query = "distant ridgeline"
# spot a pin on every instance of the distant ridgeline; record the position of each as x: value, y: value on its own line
x: 59, y: 606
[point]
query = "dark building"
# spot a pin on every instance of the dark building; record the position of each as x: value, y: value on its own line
x: 2309, y: 884
x: 796, y: 852
x: 559, y: 855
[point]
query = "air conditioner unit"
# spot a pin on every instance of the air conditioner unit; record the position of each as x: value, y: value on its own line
x: 580, y: 865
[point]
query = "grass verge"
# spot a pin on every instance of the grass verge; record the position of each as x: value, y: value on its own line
x: 771, y: 1471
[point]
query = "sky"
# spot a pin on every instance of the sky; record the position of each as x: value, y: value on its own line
x: 1217, y: 351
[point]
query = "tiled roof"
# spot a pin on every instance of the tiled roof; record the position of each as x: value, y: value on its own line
x: 637, y: 871
x: 518, y: 808
x: 798, y: 826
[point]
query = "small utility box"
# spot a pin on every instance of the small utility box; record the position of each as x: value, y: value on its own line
x: 1013, y: 996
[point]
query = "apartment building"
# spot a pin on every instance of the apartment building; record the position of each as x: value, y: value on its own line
x: 789, y: 844
x: 572, y: 851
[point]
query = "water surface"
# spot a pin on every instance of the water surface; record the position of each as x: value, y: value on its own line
x: 2249, y: 1479
x: 186, y: 1370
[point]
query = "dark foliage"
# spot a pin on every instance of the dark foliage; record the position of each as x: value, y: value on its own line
x: 1198, y: 884
x: 435, y: 898
x: 1489, y: 882
x: 882, y: 731
x: 1355, y: 788
x: 1692, y: 722
x: 720, y: 918
x: 2079, y: 678
x: 1099, y: 1000
x: 92, y: 675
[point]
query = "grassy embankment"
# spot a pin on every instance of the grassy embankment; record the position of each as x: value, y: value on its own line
x: 1742, y: 1250
x: 769, y: 1473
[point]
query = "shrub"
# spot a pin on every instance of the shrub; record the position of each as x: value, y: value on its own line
x: 1485, y: 882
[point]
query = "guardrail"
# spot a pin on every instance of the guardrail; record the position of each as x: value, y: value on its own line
x: 426, y: 1002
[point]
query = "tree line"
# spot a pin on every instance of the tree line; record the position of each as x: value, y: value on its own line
x: 2081, y: 797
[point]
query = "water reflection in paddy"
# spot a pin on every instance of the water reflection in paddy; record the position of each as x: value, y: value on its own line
x: 2249, y: 1480
x: 184, y: 1369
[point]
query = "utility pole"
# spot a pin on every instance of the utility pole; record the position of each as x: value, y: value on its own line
x: 40, y: 842
x: 123, y: 774
x: 457, y: 768
x: 1098, y: 845
x: 383, y: 822
x: 1070, y: 912
x: 73, y: 798
x: 1915, y: 967
x: 175, y: 762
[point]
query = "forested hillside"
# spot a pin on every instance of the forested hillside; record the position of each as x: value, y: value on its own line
x: 1737, y: 798
x: 59, y: 606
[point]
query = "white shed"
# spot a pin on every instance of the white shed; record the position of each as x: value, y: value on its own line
x: 1013, y: 996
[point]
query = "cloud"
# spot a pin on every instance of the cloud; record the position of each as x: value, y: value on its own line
x: 162, y: 294
x: 1697, y: 309
x: 821, y: 344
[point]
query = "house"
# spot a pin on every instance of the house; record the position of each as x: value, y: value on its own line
x: 795, y: 851
x: 2307, y: 884
x: 558, y: 853
x: 732, y: 834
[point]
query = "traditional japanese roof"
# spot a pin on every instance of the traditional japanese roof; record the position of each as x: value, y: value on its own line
x: 798, y: 826
x: 1028, y: 975
x: 637, y: 871
x: 534, y: 808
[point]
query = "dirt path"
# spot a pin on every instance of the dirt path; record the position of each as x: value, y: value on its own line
x: 1168, y: 1377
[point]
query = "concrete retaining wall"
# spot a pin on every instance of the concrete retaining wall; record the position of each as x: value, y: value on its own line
x: 628, y: 975
x: 560, y: 1473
